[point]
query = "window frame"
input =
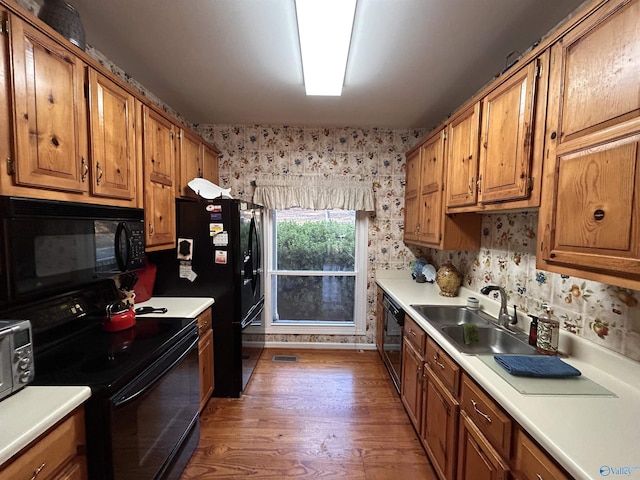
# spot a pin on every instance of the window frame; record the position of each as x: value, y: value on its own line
x: 359, y: 325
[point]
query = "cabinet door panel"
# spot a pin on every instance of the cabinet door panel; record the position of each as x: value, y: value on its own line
x: 50, y: 126
x: 411, y: 197
x: 477, y: 460
x: 411, y: 394
x: 597, y: 207
x: 505, y: 154
x: 462, y: 158
x: 440, y: 426
x: 190, y: 163
x: 210, y: 165
x: 598, y: 65
x: 432, y: 167
x: 112, y: 112
x: 159, y: 195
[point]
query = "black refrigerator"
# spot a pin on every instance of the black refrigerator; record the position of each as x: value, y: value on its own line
x: 219, y: 254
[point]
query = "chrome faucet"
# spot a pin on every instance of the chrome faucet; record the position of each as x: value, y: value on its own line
x: 504, y: 319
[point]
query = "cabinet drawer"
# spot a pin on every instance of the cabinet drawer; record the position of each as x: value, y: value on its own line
x: 447, y: 371
x: 204, y: 322
x: 532, y: 463
x: 414, y: 334
x: 490, y: 419
x: 49, y: 454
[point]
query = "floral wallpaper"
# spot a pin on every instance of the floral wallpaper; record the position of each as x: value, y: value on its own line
x: 248, y: 151
x: 603, y: 314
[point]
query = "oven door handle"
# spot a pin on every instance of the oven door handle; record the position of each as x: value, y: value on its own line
x: 122, y: 401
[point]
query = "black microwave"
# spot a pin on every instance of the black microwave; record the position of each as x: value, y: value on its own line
x: 50, y: 246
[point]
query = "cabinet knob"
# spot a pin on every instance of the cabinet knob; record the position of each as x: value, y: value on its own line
x: 598, y: 215
x: 553, y: 135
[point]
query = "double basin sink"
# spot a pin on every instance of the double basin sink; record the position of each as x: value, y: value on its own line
x: 483, y: 334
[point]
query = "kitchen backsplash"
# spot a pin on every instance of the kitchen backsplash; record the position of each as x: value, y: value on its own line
x: 606, y: 315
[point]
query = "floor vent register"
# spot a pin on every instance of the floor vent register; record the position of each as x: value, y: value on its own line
x: 285, y: 358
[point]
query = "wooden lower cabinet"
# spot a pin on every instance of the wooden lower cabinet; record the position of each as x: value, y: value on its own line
x: 57, y: 455
x: 205, y: 357
x: 411, y: 393
x: 532, y: 463
x: 439, y: 432
x: 465, y: 432
x: 477, y: 459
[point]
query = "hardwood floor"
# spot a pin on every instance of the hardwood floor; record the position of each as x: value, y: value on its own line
x: 333, y: 415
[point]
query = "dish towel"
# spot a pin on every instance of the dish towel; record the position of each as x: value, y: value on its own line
x: 536, y: 366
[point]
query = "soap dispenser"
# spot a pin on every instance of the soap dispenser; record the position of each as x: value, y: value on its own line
x: 533, y: 331
x: 548, y: 332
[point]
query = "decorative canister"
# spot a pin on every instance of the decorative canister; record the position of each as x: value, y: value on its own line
x: 64, y: 19
x: 448, y: 279
x: 548, y: 332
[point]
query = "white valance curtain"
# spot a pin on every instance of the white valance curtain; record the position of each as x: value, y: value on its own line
x: 318, y: 193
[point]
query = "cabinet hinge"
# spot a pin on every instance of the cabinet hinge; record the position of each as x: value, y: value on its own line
x: 4, y: 28
x: 86, y: 90
x: 171, y: 136
x: 440, y: 237
x: 11, y: 168
x: 530, y: 183
x: 444, y: 135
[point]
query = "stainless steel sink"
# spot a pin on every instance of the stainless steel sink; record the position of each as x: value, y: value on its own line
x: 492, y: 338
x: 489, y: 340
x: 443, y: 315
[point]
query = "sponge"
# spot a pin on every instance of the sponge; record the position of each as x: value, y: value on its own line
x: 470, y: 333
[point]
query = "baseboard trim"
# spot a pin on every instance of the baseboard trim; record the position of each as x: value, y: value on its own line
x: 322, y: 346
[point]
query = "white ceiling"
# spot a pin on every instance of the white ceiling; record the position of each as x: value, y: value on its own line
x: 237, y: 61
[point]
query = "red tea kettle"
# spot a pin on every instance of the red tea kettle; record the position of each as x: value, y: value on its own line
x: 119, y: 317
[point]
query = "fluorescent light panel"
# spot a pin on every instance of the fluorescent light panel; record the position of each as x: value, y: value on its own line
x: 324, y: 28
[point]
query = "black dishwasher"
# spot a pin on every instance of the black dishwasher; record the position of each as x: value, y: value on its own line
x: 392, y: 341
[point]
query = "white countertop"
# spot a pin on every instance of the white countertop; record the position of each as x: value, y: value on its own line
x: 583, y: 433
x: 29, y: 413
x: 179, y: 307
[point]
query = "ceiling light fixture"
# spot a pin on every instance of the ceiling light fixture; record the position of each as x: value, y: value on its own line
x: 324, y: 29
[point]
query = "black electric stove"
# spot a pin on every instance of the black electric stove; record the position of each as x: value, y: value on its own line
x: 142, y: 417
x: 71, y: 348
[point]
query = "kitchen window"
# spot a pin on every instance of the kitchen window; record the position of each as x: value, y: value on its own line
x: 316, y: 271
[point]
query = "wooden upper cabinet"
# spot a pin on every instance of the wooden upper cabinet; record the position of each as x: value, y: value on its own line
x: 596, y: 68
x: 159, y: 162
x: 411, y: 197
x: 589, y: 222
x: 507, y: 134
x: 595, y: 222
x: 196, y: 159
x: 426, y: 223
x: 190, y: 162
x: 431, y: 181
x: 210, y: 168
x: 50, y: 128
x: 113, y: 139
x: 462, y: 158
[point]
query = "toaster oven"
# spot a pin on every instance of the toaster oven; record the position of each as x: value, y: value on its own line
x: 16, y: 356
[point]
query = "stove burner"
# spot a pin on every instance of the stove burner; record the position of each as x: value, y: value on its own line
x: 58, y: 362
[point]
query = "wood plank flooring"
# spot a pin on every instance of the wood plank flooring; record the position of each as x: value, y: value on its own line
x: 332, y: 415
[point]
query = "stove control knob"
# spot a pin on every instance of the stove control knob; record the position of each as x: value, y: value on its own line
x: 25, y: 376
